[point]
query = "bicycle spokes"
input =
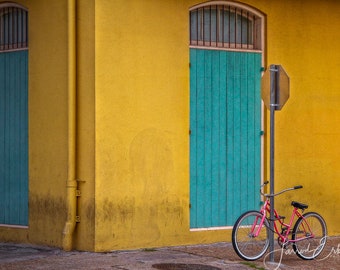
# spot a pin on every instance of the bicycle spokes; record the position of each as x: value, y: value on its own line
x: 250, y: 235
x: 309, y: 236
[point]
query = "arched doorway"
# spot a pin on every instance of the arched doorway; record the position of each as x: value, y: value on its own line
x: 226, y: 48
x: 13, y: 115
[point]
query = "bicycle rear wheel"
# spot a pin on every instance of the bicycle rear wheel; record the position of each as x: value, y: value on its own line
x: 248, y: 246
x: 310, y: 234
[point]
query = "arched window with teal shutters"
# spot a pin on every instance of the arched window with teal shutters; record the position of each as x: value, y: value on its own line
x: 13, y: 115
x: 226, y: 49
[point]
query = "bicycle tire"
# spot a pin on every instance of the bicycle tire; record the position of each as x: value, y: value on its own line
x: 310, y: 248
x: 246, y: 246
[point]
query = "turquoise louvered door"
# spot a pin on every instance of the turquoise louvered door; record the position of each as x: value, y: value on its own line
x: 225, y: 140
x: 13, y: 138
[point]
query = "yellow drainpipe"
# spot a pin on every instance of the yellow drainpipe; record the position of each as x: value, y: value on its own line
x: 71, y: 185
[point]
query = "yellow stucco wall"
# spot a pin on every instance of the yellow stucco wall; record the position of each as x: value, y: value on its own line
x: 133, y: 118
x: 142, y: 112
x: 141, y: 123
x: 47, y: 124
x: 47, y: 120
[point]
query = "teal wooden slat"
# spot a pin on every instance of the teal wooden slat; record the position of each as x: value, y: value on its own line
x: 200, y: 138
x: 13, y: 147
x: 243, y: 181
x: 2, y: 138
x: 193, y: 139
x: 236, y: 155
x: 14, y: 138
x: 231, y: 203
x: 251, y: 142
x: 8, y: 172
x: 222, y: 147
x: 215, y: 140
x: 23, y: 138
x: 207, y: 100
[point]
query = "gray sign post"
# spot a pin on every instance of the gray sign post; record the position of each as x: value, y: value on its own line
x: 275, y: 93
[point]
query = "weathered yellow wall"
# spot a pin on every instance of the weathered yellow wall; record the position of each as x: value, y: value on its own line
x: 47, y: 123
x: 133, y: 118
x: 141, y: 123
x: 48, y: 102
x: 47, y: 120
x: 142, y: 116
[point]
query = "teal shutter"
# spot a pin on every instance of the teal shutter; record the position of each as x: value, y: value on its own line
x: 13, y: 138
x: 225, y: 143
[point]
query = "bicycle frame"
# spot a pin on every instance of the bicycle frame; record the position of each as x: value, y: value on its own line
x: 285, y: 227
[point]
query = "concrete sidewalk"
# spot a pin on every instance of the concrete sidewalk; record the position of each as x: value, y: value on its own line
x: 35, y: 257
x: 197, y: 257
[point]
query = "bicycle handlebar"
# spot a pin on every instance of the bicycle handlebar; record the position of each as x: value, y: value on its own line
x: 280, y: 192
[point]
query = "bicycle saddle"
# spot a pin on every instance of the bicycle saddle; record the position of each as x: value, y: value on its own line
x: 301, y: 206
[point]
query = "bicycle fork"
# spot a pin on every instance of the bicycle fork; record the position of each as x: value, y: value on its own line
x: 256, y: 228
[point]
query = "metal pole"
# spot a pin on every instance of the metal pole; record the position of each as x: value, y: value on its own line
x: 271, y: 224
x: 273, y: 104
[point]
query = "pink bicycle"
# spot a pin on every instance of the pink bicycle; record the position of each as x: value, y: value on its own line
x: 250, y: 232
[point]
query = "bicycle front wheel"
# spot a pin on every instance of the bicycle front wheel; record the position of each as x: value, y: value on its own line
x: 249, y: 236
x: 309, y: 236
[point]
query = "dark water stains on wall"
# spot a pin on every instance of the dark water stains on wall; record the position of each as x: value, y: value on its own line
x: 43, y: 206
x: 120, y: 211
